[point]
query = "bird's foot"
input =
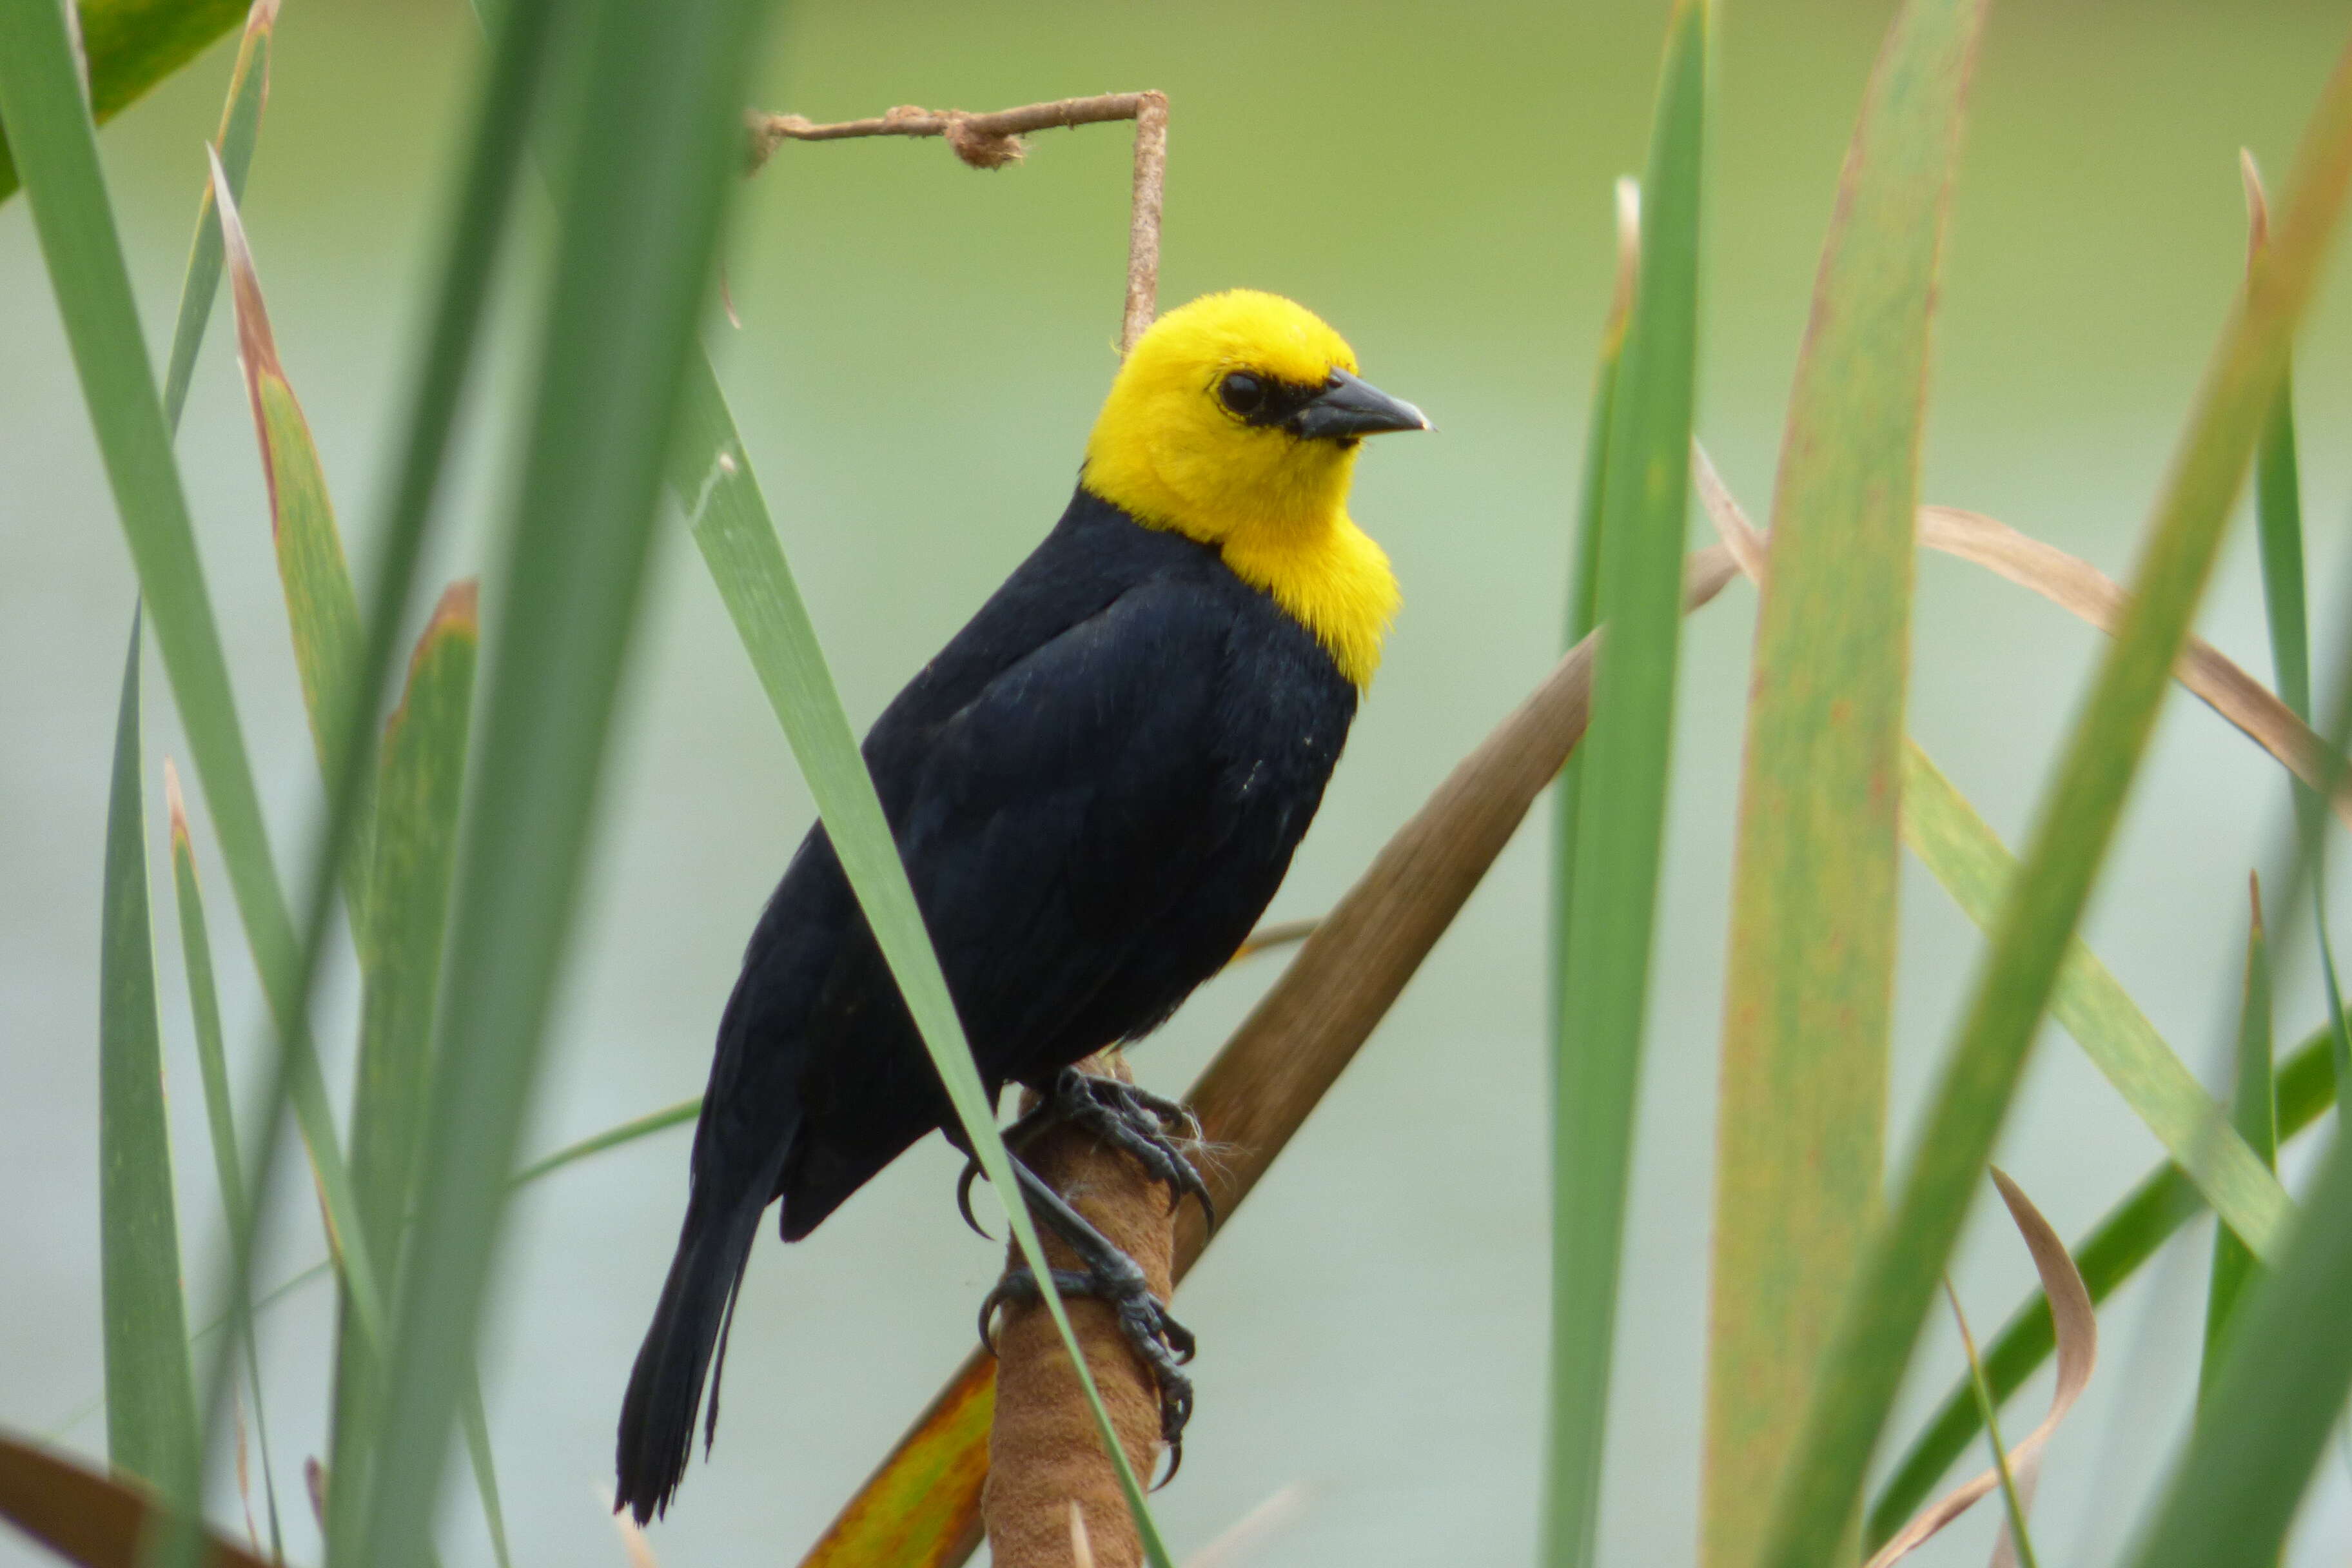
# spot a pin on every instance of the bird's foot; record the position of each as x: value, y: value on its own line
x: 1157, y: 1132
x: 1164, y: 1344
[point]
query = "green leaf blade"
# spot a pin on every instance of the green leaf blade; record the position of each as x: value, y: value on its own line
x: 151, y: 1409
x: 2253, y: 1111
x: 419, y: 793
x: 1961, y: 850
x: 1620, y: 810
x: 1800, y: 1124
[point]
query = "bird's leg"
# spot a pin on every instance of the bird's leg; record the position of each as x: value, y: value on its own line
x: 1108, y: 1275
x: 1150, y: 1129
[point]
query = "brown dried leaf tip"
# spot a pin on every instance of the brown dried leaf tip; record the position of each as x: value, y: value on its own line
x: 255, y: 346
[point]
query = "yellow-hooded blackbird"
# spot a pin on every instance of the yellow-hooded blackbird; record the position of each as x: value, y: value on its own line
x: 1096, y: 787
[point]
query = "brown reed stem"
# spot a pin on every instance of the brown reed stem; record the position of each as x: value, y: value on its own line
x: 1046, y: 1453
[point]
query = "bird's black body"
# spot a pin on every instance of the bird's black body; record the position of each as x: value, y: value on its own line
x: 1096, y: 787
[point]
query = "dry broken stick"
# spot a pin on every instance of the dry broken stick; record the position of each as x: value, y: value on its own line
x: 993, y: 140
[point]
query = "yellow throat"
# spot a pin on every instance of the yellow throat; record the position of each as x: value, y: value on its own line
x: 1170, y: 451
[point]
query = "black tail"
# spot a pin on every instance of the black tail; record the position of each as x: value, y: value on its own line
x: 687, y: 1341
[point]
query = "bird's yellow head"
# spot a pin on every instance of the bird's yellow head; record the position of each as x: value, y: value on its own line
x: 1235, y: 421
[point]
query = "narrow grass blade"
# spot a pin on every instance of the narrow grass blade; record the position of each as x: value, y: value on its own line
x: 711, y: 480
x: 2129, y: 1234
x: 132, y: 45
x: 2254, y: 1110
x: 1962, y: 851
x: 1621, y: 814
x: 249, y: 92
x: 90, y: 1519
x: 150, y: 1412
x: 2017, y: 1534
x: 321, y: 606
x: 419, y: 790
x: 637, y: 238
x: 2267, y: 1416
x: 1882, y: 1318
x: 1800, y: 1133
x: 628, y: 1131
x: 220, y: 1113
x: 477, y: 1424
x: 1584, y: 578
x: 1309, y: 1025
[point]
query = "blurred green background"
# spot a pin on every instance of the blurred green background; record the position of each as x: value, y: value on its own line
x: 921, y: 353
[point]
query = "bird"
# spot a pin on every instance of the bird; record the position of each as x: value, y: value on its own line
x: 1096, y: 786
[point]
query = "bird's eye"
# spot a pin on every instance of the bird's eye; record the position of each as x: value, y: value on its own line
x: 1242, y: 393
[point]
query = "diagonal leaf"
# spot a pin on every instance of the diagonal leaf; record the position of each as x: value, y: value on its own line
x: 220, y: 1113
x: 249, y: 92
x: 2129, y: 1234
x: 1811, y: 976
x: 636, y: 238
x: 1621, y: 813
x: 1962, y: 851
x: 1882, y: 1317
x: 920, y: 1509
x: 2253, y: 1111
x: 150, y: 1412
x: 85, y: 1518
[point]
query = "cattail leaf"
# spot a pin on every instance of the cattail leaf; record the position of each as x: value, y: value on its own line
x: 419, y: 789
x: 1810, y: 971
x: 1966, y: 857
x: 2253, y: 1112
x: 220, y: 1113
x: 150, y: 1412
x: 1619, y: 830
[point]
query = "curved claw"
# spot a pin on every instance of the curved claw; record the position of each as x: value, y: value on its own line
x: 971, y: 1172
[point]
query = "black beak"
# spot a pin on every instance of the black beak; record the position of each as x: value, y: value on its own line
x: 1347, y: 407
